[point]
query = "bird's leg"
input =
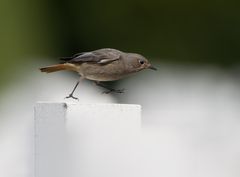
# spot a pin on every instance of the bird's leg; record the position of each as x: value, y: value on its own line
x: 109, y: 90
x: 71, y: 94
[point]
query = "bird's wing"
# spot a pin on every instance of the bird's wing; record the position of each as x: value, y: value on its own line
x: 98, y: 56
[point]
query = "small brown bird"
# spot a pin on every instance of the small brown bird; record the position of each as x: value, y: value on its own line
x: 102, y: 65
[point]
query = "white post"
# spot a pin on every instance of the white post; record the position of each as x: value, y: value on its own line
x: 86, y: 140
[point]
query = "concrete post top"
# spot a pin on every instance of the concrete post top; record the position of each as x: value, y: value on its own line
x: 67, y: 104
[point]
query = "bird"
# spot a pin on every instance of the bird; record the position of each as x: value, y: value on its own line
x: 101, y: 65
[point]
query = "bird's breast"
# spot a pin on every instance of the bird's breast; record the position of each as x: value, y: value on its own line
x: 103, y: 72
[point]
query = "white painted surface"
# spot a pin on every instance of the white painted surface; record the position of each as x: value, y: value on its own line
x: 176, y: 142
x: 49, y: 139
x: 87, y: 140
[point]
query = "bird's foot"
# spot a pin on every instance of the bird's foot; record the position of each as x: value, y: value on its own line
x: 114, y: 91
x: 71, y: 96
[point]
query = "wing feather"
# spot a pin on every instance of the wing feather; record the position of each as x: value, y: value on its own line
x: 101, y: 56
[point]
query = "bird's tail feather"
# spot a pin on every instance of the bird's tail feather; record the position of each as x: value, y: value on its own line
x: 54, y: 68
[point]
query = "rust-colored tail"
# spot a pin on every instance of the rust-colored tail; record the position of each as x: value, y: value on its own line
x: 54, y: 68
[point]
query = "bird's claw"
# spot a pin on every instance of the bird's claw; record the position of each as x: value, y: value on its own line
x: 71, y: 96
x: 113, y: 91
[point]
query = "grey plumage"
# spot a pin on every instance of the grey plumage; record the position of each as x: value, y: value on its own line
x: 97, y: 56
x: 102, y: 65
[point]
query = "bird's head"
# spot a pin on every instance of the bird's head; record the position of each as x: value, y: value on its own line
x: 138, y: 62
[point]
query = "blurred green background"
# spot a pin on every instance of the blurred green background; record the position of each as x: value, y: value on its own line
x: 199, y: 32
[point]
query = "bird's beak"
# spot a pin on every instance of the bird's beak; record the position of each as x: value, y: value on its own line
x: 151, y: 67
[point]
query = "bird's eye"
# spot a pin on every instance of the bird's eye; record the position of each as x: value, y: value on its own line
x: 141, y: 62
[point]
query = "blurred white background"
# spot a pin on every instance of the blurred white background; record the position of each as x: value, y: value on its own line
x: 190, y: 120
x: 191, y: 116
